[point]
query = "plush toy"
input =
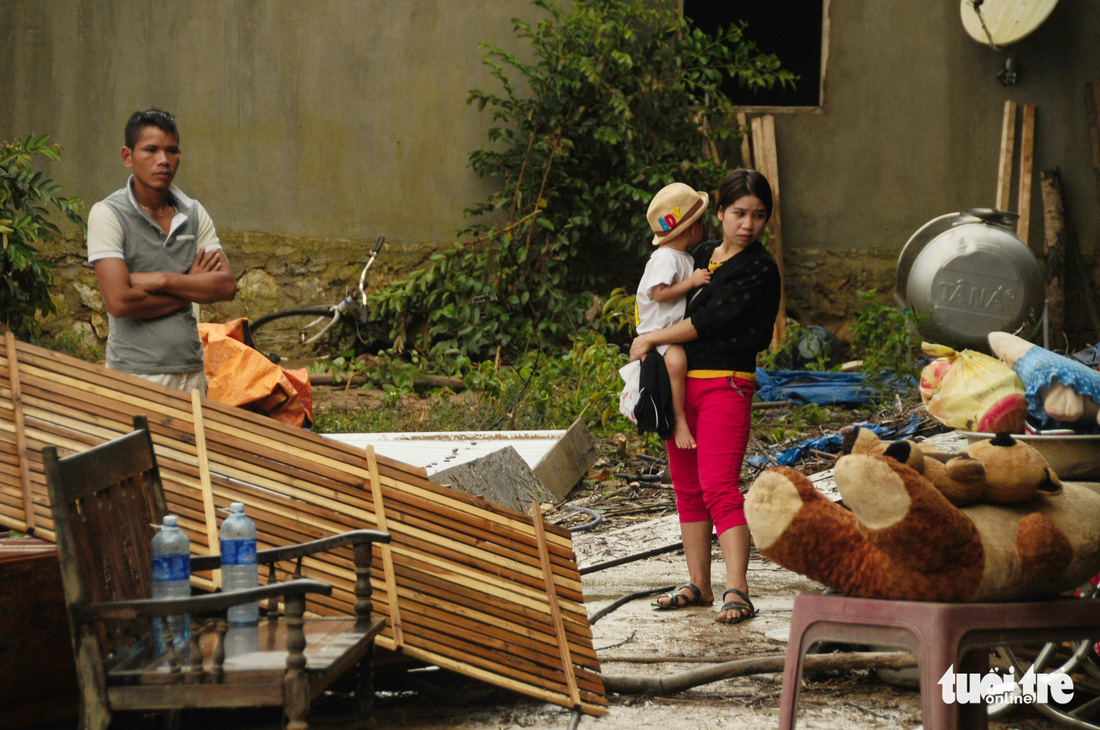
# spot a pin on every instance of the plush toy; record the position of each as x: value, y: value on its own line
x: 902, y: 539
x: 1002, y: 470
x: 1058, y: 388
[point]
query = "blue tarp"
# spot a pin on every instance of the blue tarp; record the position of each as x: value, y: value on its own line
x: 822, y: 387
x: 810, y: 386
x: 827, y: 389
x: 1089, y: 356
x: 831, y: 443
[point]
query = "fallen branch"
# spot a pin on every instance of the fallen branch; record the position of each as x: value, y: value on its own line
x: 763, y: 450
x: 673, y: 683
x: 430, y: 381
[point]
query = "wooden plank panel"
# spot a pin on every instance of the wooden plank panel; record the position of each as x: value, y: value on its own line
x: 474, y: 586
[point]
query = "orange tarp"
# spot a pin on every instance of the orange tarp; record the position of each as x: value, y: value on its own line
x: 239, y: 375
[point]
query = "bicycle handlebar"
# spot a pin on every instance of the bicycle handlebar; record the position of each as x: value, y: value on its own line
x: 363, y: 274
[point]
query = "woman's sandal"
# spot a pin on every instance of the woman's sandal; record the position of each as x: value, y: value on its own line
x: 737, y: 606
x: 681, y: 600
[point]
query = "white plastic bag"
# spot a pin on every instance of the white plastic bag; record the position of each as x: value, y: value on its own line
x: 972, y: 391
x: 631, y: 374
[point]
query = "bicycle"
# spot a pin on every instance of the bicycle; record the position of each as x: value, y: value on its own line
x: 291, y: 333
x: 1082, y: 655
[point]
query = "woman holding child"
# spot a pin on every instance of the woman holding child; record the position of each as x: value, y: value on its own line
x: 727, y: 322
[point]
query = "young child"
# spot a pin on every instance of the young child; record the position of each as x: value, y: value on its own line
x: 669, y: 275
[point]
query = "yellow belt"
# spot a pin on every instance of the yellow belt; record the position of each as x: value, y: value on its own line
x: 751, y: 377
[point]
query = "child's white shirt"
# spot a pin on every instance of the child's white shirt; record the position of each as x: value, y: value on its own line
x: 666, y: 266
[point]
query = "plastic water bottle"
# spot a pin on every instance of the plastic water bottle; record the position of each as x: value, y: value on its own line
x: 172, y: 578
x: 238, y: 545
x: 241, y: 641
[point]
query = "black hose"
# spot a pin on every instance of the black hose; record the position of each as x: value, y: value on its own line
x: 597, y: 518
x: 627, y: 599
x: 631, y: 558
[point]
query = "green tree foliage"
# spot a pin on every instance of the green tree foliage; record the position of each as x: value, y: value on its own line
x: 888, y: 340
x: 26, y: 197
x: 622, y: 98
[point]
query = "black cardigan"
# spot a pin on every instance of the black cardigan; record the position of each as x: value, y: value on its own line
x: 735, y: 313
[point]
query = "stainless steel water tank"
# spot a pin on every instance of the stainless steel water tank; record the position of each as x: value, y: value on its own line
x: 971, y: 275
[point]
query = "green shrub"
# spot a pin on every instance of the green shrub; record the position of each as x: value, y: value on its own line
x: 887, y: 340
x: 26, y: 197
x: 538, y: 391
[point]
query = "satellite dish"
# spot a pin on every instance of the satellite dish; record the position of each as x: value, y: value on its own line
x: 1000, y: 22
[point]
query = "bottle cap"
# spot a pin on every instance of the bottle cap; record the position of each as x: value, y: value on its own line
x: 236, y: 507
x: 170, y: 520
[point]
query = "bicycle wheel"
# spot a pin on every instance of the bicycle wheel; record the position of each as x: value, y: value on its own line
x: 282, y: 336
x: 1083, y: 714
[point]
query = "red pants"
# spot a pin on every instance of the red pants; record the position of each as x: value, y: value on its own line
x: 707, y: 479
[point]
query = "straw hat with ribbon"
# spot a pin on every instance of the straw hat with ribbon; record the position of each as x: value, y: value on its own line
x: 674, y: 208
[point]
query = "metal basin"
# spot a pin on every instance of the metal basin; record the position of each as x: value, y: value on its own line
x: 970, y: 275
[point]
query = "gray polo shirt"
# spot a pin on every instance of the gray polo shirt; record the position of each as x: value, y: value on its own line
x: 119, y: 228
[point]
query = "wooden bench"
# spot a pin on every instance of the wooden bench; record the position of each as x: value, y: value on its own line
x: 106, y: 502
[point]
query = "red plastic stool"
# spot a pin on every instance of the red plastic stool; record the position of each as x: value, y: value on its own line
x: 939, y: 634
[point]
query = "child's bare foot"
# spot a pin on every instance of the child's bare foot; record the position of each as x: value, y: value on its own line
x: 682, y: 435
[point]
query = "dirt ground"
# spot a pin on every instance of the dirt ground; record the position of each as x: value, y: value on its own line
x: 632, y: 640
x: 635, y: 640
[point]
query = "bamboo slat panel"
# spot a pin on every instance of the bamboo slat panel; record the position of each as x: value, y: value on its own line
x: 474, y: 588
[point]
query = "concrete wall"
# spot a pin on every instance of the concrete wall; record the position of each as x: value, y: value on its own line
x: 311, y: 127
x: 325, y: 118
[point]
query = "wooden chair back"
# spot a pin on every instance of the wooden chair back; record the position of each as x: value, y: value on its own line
x: 105, y: 504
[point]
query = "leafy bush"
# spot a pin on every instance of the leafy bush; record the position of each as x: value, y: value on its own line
x: 25, y: 198
x: 621, y: 99
x: 887, y: 340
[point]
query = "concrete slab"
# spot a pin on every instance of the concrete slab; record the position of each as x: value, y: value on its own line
x: 557, y: 459
x: 501, y: 477
x: 435, y: 451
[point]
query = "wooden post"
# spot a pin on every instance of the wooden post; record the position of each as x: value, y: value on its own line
x: 555, y: 611
x: 767, y: 160
x: 387, y: 555
x: 1004, y: 163
x: 1092, y: 106
x: 1027, y: 152
x: 209, y: 513
x: 746, y: 134
x: 20, y: 434
x: 1054, y: 225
